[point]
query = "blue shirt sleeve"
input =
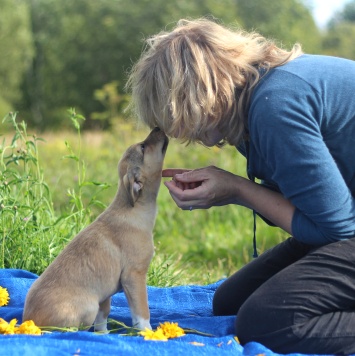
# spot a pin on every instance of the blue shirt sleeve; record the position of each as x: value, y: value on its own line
x: 289, y: 132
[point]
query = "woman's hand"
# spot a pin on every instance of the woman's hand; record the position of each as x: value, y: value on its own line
x: 211, y: 186
x: 201, y: 188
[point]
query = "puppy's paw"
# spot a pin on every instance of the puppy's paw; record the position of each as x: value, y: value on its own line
x: 145, y: 325
x: 101, y: 328
x: 141, y: 323
x: 104, y: 332
x: 100, y: 325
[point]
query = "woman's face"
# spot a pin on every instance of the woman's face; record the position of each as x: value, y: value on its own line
x: 212, y: 137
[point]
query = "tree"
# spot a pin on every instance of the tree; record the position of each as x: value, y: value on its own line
x: 339, y: 39
x: 288, y: 21
x: 16, y: 51
x: 82, y: 45
x: 347, y: 14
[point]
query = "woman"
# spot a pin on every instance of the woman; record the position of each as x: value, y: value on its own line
x: 293, y: 117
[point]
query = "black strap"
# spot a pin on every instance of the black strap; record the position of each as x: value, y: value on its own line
x: 252, y: 178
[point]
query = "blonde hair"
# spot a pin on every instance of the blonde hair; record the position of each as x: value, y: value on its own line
x: 200, y: 77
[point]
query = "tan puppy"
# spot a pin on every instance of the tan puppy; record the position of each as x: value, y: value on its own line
x: 111, y: 254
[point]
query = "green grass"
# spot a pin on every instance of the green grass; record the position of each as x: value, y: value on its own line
x: 53, y: 187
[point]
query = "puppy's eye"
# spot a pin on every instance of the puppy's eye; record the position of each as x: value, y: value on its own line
x: 142, y: 147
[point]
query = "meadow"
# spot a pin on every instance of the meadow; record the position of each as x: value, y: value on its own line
x: 54, y: 184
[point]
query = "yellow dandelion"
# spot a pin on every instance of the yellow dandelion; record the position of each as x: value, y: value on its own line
x: 157, y: 335
x: 28, y: 327
x: 4, y: 296
x: 171, y: 330
x: 8, y: 328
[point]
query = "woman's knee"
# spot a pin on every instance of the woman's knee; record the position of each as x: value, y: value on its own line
x: 221, y: 303
x: 260, y: 316
x: 248, y: 319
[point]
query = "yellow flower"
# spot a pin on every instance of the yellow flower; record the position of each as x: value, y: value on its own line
x: 4, y: 296
x: 28, y: 327
x: 153, y: 335
x: 171, y: 330
x: 8, y: 328
x: 164, y: 332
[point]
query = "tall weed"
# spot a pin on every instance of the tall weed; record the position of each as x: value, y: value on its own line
x: 32, y: 232
x: 26, y: 210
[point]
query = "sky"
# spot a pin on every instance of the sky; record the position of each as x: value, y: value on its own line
x: 323, y: 10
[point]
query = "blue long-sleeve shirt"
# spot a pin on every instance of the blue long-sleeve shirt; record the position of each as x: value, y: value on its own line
x: 302, y: 143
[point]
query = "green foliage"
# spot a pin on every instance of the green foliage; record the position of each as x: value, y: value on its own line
x: 32, y: 233
x: 166, y: 271
x: 16, y: 51
x: 287, y: 21
x: 80, y: 212
x: 112, y: 101
x: 348, y: 13
x: 339, y: 40
x: 26, y: 212
x: 83, y: 45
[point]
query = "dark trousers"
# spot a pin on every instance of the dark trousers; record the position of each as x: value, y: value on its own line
x: 295, y: 298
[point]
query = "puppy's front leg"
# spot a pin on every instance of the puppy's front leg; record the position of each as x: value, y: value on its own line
x: 100, y: 323
x: 135, y: 289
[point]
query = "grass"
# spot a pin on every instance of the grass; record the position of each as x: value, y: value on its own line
x: 53, y: 187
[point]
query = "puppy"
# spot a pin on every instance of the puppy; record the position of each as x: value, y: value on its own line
x: 111, y: 254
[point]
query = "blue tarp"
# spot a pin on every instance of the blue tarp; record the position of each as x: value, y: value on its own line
x: 189, y: 306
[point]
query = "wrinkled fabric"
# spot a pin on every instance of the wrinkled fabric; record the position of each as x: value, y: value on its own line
x: 190, y: 306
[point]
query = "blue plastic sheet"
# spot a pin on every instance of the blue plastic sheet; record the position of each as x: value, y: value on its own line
x: 189, y: 306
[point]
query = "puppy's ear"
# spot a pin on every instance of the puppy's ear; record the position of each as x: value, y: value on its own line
x: 132, y: 184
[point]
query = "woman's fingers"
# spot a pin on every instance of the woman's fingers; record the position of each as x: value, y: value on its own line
x: 181, y: 177
x: 185, y: 195
x: 171, y: 172
x: 199, y: 188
